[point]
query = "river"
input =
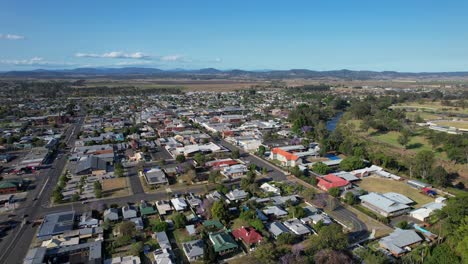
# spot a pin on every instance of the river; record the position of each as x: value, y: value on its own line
x: 331, y: 125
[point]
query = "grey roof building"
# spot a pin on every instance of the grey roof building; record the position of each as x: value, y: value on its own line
x: 236, y: 195
x: 89, y: 164
x: 385, y: 204
x: 90, y: 253
x: 193, y: 249
x: 397, y: 241
x: 163, y: 240
x: 111, y: 214
x: 275, y: 210
x: 35, y: 256
x: 155, y: 176
x: 129, y: 212
x: 55, y: 224
x: 297, y: 227
x: 277, y: 228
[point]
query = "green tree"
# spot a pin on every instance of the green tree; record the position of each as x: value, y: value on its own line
x: 200, y: 159
x: 329, y: 237
x: 404, y: 138
x: 160, y: 226
x: 257, y: 224
x: 180, y: 158
x: 423, y: 162
x: 118, y: 169
x: 219, y: 211
x: 440, y: 177
x: 287, y: 239
x: 350, y: 198
x: 75, y: 197
x: 352, y: 163
x: 126, y: 228
x: 320, y: 168
x: 57, y: 195
x: 369, y: 256
x: 403, y: 225
x: 235, y: 154
x: 136, y: 248
x: 335, y: 192
x: 97, y: 189
x: 296, y: 212
x: 261, y: 150
x: 179, y: 220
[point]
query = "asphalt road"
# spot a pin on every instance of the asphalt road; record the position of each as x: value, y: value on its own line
x: 14, y: 247
x: 273, y: 172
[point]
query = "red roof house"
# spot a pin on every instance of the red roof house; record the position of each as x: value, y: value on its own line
x: 248, y: 235
x: 221, y: 163
x: 286, y: 158
x: 331, y: 181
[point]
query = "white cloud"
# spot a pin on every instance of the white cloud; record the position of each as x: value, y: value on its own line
x: 11, y: 37
x: 36, y: 61
x: 115, y: 55
x: 173, y: 58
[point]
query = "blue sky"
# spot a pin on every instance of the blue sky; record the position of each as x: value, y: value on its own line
x: 409, y: 35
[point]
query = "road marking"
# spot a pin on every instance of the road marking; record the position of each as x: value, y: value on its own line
x: 43, y: 187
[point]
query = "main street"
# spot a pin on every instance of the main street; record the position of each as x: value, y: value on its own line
x: 14, y: 247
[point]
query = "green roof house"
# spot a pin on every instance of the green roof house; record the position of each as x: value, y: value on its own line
x: 213, y: 223
x: 146, y: 209
x: 223, y: 243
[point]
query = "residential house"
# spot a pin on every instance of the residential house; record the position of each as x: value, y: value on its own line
x: 275, y: 211
x: 111, y: 214
x: 284, y: 157
x: 193, y: 249
x: 223, y: 243
x: 297, y: 227
x: 179, y: 204
x: 163, y: 256
x: 146, y: 209
x: 424, y: 212
x: 163, y: 240
x: 237, y: 195
x: 154, y: 176
x: 129, y: 212
x: 163, y: 207
x: 267, y: 187
x: 277, y: 228
x: 399, y: 241
x: 86, y: 220
x: 248, y: 235
x: 123, y: 260
x: 138, y: 223
x: 332, y: 181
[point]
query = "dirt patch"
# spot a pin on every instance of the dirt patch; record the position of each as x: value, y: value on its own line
x: 115, y: 187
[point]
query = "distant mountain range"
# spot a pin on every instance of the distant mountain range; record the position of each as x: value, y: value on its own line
x: 212, y: 73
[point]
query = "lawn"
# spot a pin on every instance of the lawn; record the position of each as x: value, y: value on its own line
x: 382, y: 185
x: 433, y: 107
x: 416, y: 143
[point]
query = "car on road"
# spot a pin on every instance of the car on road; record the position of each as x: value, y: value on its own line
x: 84, y: 202
x: 35, y: 199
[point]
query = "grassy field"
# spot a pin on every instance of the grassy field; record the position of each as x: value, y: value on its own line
x: 423, y: 115
x: 381, y: 185
x: 432, y: 107
x: 115, y: 187
x: 416, y: 143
